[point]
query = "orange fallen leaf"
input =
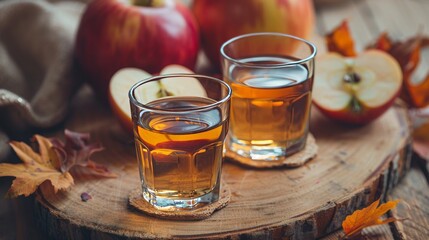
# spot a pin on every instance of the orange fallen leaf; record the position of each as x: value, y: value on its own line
x: 383, y: 42
x: 419, y: 93
x: 420, y: 118
x: 36, y: 169
x: 366, y: 217
x: 341, y: 41
x: 51, y: 163
x: 407, y: 53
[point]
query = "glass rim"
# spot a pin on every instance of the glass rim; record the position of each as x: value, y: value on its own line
x: 238, y: 62
x: 134, y: 101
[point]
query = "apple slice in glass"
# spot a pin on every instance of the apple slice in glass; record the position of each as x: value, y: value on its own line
x: 356, y: 90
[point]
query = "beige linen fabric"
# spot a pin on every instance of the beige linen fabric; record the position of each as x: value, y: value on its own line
x: 37, y: 80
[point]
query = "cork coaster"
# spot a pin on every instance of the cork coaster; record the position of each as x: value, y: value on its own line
x: 136, y: 200
x: 295, y: 160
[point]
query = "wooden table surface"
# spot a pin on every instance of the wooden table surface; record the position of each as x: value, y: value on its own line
x: 367, y: 19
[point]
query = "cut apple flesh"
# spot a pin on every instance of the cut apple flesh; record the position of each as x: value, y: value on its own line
x: 120, y: 85
x: 329, y: 90
x: 124, y: 79
x: 381, y: 78
x: 172, y: 86
x: 181, y: 86
x: 371, y: 79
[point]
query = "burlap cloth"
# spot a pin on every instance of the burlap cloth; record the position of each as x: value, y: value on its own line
x: 37, y: 79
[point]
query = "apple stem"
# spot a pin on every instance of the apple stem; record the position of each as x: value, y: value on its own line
x: 355, y: 105
x: 163, y: 92
x: 146, y: 3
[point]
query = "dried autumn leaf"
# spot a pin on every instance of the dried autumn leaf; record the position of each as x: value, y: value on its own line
x: 366, y: 217
x: 341, y: 41
x: 383, y: 42
x: 76, y: 151
x: 36, y: 169
x: 420, y: 118
x: 407, y: 54
x: 52, y: 163
x: 85, y: 197
x: 419, y: 94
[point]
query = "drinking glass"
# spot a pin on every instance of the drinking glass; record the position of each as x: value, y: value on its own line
x: 180, y: 124
x: 271, y: 76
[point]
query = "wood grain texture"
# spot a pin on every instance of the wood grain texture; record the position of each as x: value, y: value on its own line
x: 6, y: 222
x: 17, y: 218
x: 381, y: 232
x: 414, y: 194
x: 354, y: 167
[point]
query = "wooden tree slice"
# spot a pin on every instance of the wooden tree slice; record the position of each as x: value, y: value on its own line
x: 354, y: 166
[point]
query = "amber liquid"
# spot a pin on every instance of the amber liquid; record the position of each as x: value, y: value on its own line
x: 180, y: 154
x: 270, y: 109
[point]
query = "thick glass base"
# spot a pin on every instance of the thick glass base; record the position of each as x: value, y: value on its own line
x: 270, y: 151
x: 174, y: 203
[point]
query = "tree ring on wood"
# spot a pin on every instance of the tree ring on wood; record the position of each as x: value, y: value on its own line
x: 295, y: 160
x: 136, y: 200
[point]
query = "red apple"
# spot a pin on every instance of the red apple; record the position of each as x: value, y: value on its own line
x: 356, y: 90
x: 221, y: 20
x: 114, y: 34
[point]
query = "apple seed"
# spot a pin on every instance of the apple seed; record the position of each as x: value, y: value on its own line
x: 351, y: 77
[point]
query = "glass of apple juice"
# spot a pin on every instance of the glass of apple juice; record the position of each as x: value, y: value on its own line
x: 271, y: 75
x: 180, y: 124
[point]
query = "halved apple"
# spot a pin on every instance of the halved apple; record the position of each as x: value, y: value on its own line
x: 122, y: 80
x: 181, y: 86
x: 119, y: 86
x: 356, y: 90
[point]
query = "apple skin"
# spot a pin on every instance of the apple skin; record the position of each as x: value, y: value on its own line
x: 113, y: 35
x: 221, y: 20
x: 365, y: 116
